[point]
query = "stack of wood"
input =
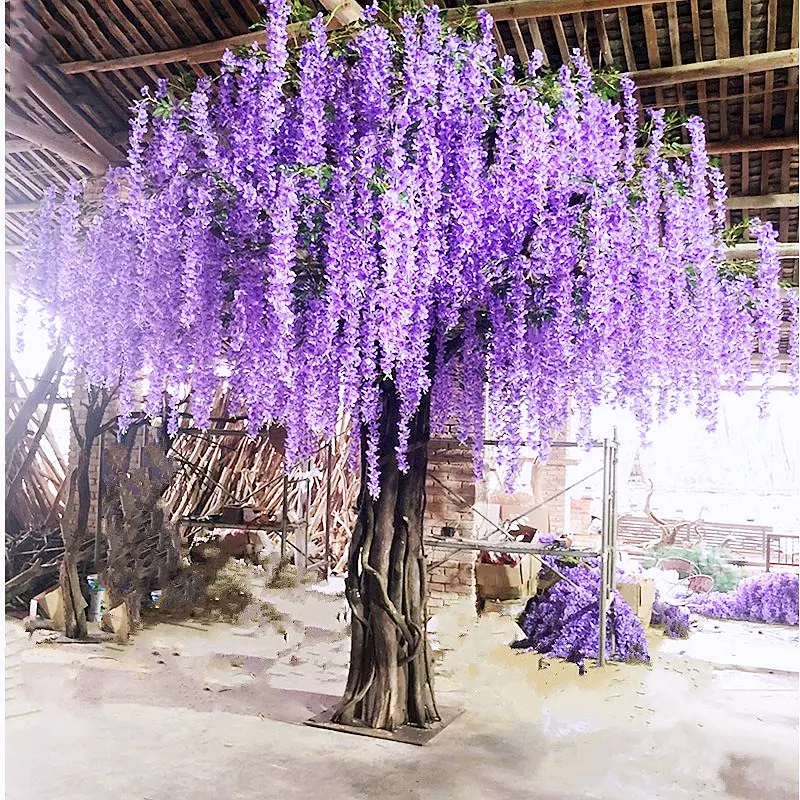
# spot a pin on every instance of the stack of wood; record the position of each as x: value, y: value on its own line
x: 35, y: 480
x: 223, y: 468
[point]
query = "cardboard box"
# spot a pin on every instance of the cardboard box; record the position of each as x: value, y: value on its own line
x: 640, y: 596
x: 52, y: 604
x: 117, y: 620
x: 501, y: 582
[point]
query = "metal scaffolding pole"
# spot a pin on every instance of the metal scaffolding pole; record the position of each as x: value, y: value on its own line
x: 608, y: 536
x: 328, y: 515
x: 284, y: 514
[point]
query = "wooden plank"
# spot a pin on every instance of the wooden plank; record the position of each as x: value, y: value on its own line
x: 22, y: 208
x: 120, y: 100
x: 188, y: 19
x: 747, y: 22
x: 531, y: 9
x: 674, y: 35
x: 602, y: 32
x: 789, y: 127
x: 653, y: 53
x: 194, y: 54
x: 769, y: 83
x: 777, y: 200
x: 749, y: 250
x: 519, y: 42
x: 536, y: 37
x: 722, y: 38
x: 561, y: 38
x: 212, y: 51
x: 124, y: 43
x: 699, y: 57
x: 580, y: 33
x: 627, y: 44
x: 753, y: 145
x: 19, y: 146
x: 85, y: 33
x: 165, y: 37
x: 719, y: 68
x: 56, y: 142
x: 498, y: 40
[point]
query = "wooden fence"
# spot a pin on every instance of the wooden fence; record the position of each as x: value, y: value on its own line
x: 748, y: 543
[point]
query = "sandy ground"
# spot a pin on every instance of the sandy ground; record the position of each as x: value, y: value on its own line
x: 217, y: 711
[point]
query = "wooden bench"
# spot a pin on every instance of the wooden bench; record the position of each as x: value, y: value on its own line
x: 747, y: 542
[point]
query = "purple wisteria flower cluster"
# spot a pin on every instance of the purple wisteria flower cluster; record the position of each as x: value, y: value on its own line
x: 404, y: 206
x: 673, y: 619
x: 563, y: 620
x: 771, y: 597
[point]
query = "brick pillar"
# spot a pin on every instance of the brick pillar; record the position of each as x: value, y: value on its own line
x: 450, y: 495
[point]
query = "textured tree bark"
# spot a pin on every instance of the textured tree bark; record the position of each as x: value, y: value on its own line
x: 75, y: 521
x: 390, y: 682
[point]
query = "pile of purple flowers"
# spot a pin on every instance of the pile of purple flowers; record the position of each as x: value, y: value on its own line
x: 771, y: 597
x: 409, y: 205
x: 563, y: 621
x: 674, y: 619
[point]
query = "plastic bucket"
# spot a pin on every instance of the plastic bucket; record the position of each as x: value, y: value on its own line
x: 96, y: 594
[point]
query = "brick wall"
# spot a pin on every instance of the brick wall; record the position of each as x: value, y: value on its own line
x: 451, y: 492
x: 580, y: 514
x: 552, y: 479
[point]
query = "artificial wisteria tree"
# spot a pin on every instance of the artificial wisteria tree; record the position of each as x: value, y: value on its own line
x: 397, y: 225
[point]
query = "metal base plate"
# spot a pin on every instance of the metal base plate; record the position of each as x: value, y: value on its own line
x: 408, y: 734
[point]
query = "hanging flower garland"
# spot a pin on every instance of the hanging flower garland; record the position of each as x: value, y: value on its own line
x: 406, y: 206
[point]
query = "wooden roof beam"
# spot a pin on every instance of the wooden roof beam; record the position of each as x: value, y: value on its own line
x: 753, y: 145
x: 534, y: 9
x: 780, y: 200
x: 20, y: 146
x: 194, y: 54
x: 22, y: 208
x: 69, y: 117
x: 749, y: 250
x: 212, y: 51
x: 721, y: 68
x: 56, y: 143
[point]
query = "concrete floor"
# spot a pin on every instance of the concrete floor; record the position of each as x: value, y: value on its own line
x: 217, y: 711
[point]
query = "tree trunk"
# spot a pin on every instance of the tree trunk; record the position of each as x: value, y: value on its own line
x: 74, y: 603
x: 75, y: 520
x: 390, y: 682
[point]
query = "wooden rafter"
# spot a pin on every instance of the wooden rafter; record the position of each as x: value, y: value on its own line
x: 719, y: 68
x: 347, y: 12
x: 519, y: 42
x: 777, y: 200
x: 722, y: 50
x: 56, y: 143
x: 22, y: 208
x: 749, y: 250
x: 19, y: 146
x: 536, y: 37
x: 66, y: 114
x: 769, y: 82
x: 753, y: 145
x: 747, y: 23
